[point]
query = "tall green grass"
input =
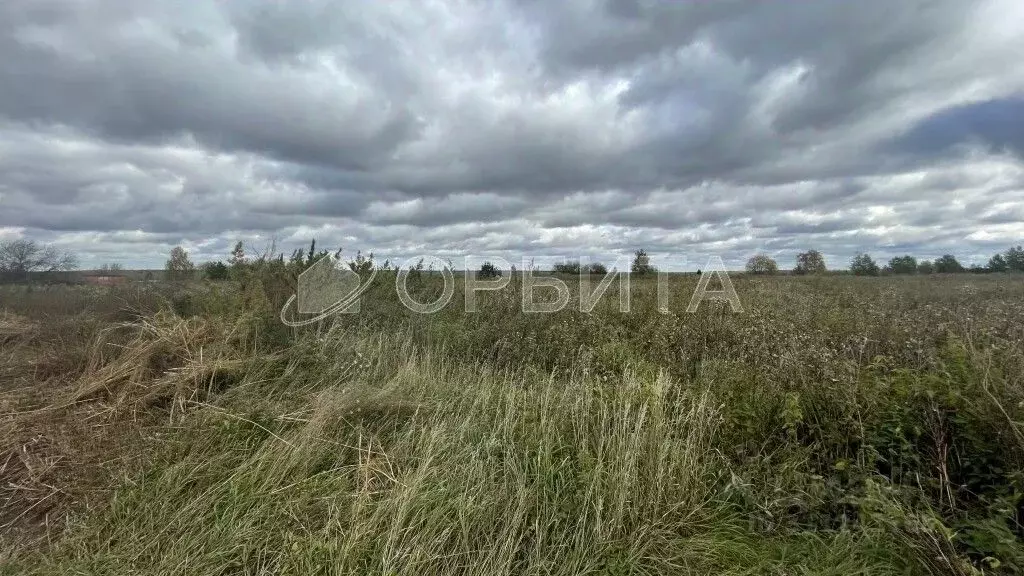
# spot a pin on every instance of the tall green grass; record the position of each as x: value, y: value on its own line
x: 417, y: 465
x: 838, y: 426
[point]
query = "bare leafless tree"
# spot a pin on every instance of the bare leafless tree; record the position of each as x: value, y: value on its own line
x: 19, y: 258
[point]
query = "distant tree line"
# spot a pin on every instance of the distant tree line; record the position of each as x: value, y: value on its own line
x: 21, y: 259
x: 1010, y: 261
x: 179, y: 266
x: 813, y: 262
x: 575, y: 268
x: 807, y: 263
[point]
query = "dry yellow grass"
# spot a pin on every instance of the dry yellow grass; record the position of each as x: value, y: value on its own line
x: 67, y: 433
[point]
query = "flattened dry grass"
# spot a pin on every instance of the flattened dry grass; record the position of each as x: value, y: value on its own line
x: 80, y: 401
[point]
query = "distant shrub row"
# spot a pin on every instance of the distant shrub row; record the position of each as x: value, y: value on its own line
x: 812, y: 262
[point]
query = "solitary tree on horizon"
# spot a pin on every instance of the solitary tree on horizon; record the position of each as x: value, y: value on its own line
x: 810, y: 262
x: 179, y: 267
x: 762, y: 264
x: 863, y: 265
x: 488, y: 270
x: 642, y: 264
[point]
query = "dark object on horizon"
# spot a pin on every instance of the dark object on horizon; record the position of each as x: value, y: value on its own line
x: 698, y: 271
x: 20, y: 259
x: 215, y: 270
x: 488, y: 270
x: 810, y: 262
x: 642, y: 264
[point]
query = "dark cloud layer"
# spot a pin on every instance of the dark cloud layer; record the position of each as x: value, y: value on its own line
x: 995, y: 124
x: 589, y: 127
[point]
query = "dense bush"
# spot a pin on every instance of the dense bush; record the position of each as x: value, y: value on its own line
x: 903, y: 265
x: 762, y: 264
x: 863, y: 265
x: 948, y: 264
x: 215, y: 271
x: 810, y: 262
x: 488, y: 270
x: 567, y: 267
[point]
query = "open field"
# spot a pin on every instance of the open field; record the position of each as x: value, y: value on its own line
x: 838, y: 425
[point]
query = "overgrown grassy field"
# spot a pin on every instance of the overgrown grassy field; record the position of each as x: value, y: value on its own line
x: 838, y: 425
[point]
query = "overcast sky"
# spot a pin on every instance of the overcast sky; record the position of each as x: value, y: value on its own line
x: 514, y: 127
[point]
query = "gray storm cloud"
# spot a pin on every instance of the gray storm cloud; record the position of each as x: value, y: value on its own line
x: 518, y: 126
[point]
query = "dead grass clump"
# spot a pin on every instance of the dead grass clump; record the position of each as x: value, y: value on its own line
x: 14, y: 327
x: 16, y: 333
x: 39, y: 356
x: 52, y: 459
x: 60, y: 445
x: 169, y: 361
